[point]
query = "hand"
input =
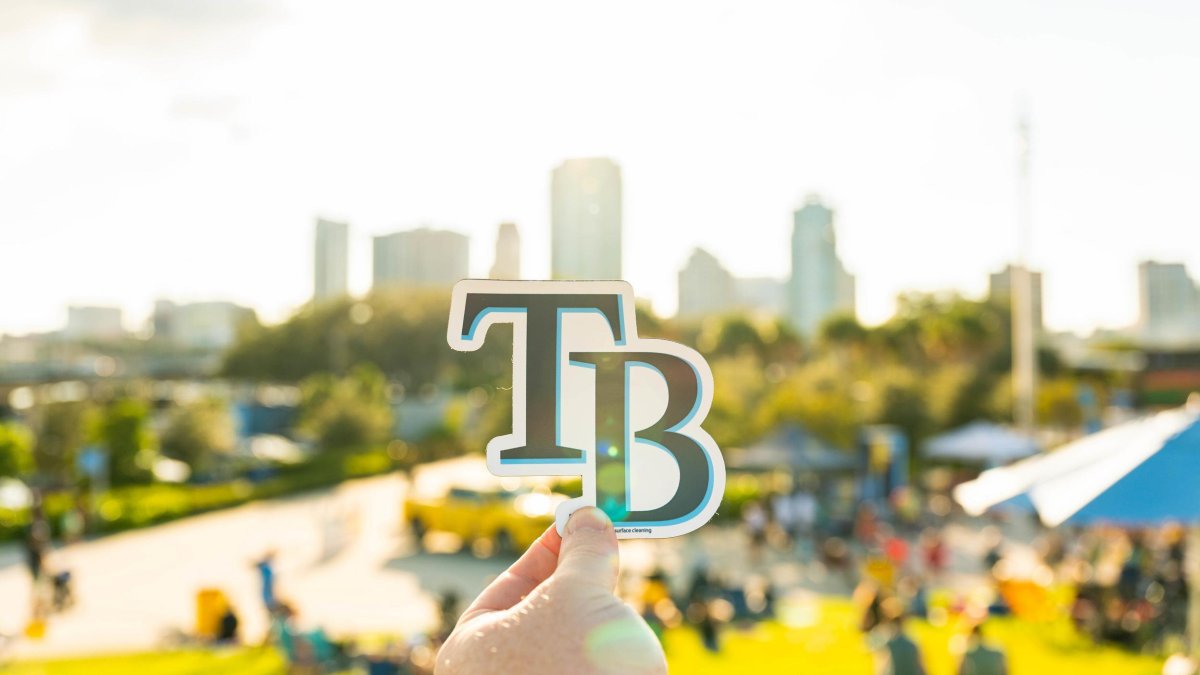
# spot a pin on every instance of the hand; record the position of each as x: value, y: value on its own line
x: 554, y: 611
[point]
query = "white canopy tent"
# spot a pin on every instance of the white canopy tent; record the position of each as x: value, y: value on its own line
x: 981, y: 442
x: 998, y: 485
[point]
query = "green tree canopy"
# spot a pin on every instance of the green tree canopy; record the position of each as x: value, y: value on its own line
x: 403, y: 334
x: 199, y: 431
x: 60, y: 432
x: 347, y: 412
x: 16, y: 450
x: 123, y: 429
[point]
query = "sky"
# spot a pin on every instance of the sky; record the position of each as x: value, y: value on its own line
x: 169, y: 148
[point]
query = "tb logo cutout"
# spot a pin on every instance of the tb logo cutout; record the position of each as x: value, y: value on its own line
x: 592, y: 399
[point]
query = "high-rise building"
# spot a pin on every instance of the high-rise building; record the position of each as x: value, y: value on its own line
x: 199, y: 325
x: 705, y: 286
x: 585, y: 219
x: 93, y: 323
x: 1000, y: 289
x: 330, y: 260
x: 1168, y: 303
x: 420, y: 258
x: 819, y: 284
x: 507, y: 264
x: 764, y: 296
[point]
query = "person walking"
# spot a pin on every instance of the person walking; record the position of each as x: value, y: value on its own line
x: 266, y: 578
x: 754, y: 517
x: 37, y: 549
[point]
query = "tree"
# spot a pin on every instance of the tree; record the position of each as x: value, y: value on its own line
x: 404, y: 338
x: 124, y: 431
x: 818, y: 396
x: 16, y: 450
x: 60, y: 431
x: 731, y: 335
x: 929, y: 330
x: 349, y: 412
x: 740, y: 387
x: 900, y: 399
x: 1058, y: 404
x: 959, y: 394
x: 197, y: 431
x: 842, y: 330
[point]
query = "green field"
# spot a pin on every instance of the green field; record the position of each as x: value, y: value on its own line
x: 825, y: 643
x: 190, y: 662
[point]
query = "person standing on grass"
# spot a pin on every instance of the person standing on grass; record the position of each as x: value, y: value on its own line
x: 896, y: 653
x: 980, y: 658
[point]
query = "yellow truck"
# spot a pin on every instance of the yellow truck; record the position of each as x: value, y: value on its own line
x: 508, y: 521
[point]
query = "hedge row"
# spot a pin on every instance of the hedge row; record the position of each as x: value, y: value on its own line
x: 127, y: 508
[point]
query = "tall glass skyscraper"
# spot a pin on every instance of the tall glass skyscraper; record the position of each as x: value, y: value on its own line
x: 585, y: 219
x: 819, y: 284
x: 330, y: 260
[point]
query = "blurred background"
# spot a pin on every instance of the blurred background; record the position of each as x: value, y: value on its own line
x: 940, y: 255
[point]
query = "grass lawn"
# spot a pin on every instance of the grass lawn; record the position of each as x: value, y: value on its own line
x: 187, y: 662
x: 828, y: 643
x: 823, y: 640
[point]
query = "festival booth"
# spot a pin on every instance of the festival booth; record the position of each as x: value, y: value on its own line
x: 792, y: 456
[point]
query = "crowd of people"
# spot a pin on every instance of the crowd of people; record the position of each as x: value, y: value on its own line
x: 1121, y: 586
x: 889, y: 557
x: 1131, y: 586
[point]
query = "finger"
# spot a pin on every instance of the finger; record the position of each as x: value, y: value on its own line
x: 531, y: 569
x: 588, y: 557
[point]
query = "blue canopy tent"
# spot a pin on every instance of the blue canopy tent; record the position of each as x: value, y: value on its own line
x: 1147, y: 483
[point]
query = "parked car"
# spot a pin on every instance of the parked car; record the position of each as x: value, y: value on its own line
x: 508, y: 521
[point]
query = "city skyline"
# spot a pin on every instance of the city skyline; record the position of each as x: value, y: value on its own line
x: 195, y: 171
x: 435, y: 258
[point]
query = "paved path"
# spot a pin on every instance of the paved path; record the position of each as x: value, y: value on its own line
x: 135, y: 589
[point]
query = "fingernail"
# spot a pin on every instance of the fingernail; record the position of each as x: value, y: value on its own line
x: 588, y: 518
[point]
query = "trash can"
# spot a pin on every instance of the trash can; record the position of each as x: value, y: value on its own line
x: 211, y: 604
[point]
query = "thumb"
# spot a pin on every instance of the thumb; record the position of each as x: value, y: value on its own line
x: 588, y: 557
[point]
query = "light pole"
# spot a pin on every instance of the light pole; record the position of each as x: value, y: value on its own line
x: 1024, y: 368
